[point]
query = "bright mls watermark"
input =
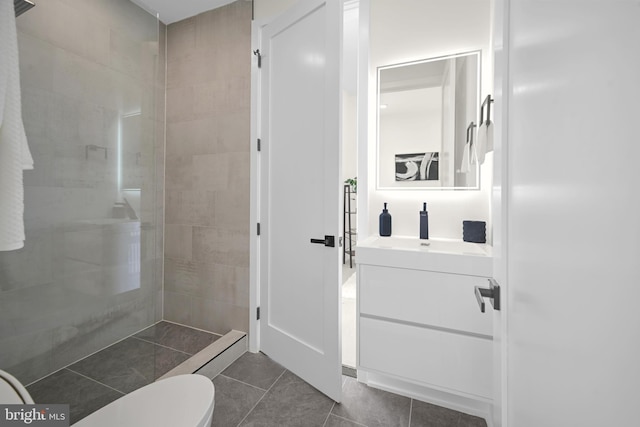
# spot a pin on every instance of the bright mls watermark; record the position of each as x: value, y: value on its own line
x: 34, y: 415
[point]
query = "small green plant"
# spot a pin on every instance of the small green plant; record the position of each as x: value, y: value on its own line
x: 353, y: 182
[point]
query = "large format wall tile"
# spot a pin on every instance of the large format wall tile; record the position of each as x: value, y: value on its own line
x: 84, y: 280
x: 207, y: 169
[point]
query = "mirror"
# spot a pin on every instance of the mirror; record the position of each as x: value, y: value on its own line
x: 424, y: 110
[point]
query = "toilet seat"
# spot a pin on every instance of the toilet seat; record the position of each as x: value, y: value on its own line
x: 183, y: 400
x: 12, y: 391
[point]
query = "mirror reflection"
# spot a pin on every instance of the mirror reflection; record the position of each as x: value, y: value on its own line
x: 424, y: 110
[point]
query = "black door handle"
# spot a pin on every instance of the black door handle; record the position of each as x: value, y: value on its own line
x: 493, y: 293
x: 328, y: 241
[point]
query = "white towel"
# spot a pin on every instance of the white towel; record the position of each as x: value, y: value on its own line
x: 15, y: 156
x: 485, y: 141
x: 464, y: 165
x: 490, y: 127
x: 481, y: 143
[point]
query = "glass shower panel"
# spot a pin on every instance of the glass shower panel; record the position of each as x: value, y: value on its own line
x: 88, y: 274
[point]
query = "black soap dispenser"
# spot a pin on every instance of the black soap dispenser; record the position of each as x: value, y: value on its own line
x: 424, y: 222
x: 385, y: 222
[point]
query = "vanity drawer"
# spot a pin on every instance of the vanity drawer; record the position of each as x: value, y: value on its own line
x: 437, y: 299
x: 449, y: 361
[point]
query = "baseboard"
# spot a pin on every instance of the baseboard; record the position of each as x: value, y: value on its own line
x: 478, y: 407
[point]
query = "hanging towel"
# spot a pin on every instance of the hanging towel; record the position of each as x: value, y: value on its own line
x: 481, y: 143
x: 464, y: 165
x: 485, y: 141
x: 15, y: 156
x: 490, y: 127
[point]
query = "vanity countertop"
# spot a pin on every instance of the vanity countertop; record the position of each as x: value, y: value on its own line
x: 443, y: 255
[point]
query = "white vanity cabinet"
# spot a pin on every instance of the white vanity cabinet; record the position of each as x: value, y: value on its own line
x: 420, y: 328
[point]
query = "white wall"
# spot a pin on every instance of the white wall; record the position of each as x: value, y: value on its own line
x: 408, y: 30
x: 349, y: 85
x: 349, y: 136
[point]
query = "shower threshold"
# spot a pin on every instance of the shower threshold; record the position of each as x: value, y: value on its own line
x: 214, y: 358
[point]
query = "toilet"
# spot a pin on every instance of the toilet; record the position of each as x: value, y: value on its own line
x: 183, y: 400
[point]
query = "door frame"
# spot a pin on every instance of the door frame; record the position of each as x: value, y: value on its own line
x: 254, y: 188
x: 500, y: 45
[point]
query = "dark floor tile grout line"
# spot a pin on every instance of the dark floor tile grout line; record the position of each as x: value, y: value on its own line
x: 260, y: 400
x: 241, y: 382
x: 350, y: 420
x: 329, y: 414
x: 410, y: 412
x: 116, y: 342
x: 164, y: 346
x: 96, y: 381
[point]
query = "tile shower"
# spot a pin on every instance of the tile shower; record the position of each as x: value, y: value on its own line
x: 92, y: 78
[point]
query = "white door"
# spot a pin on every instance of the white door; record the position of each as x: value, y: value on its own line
x: 300, y: 192
x: 573, y: 214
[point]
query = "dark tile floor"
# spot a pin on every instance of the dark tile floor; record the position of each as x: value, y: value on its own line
x: 253, y: 391
x: 111, y: 373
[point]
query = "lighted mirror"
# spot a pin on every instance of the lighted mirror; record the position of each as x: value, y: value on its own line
x: 427, y: 111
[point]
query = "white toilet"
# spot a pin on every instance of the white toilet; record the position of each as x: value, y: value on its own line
x: 180, y: 401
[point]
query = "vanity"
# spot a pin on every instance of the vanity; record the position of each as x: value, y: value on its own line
x: 420, y: 330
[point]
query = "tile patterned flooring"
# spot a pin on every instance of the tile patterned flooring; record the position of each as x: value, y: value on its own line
x: 253, y: 391
x: 111, y: 373
x: 256, y: 391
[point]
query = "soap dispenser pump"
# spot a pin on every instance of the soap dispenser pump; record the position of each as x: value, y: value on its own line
x: 424, y: 222
x: 385, y: 222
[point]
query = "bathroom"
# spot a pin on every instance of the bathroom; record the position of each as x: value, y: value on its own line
x: 121, y: 234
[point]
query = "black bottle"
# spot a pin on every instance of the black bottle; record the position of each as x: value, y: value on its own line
x: 424, y: 222
x: 385, y: 222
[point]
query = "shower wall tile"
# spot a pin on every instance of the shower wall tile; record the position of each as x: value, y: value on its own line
x: 221, y: 96
x: 207, y: 174
x: 69, y: 291
x: 222, y: 283
x: 179, y: 172
x: 226, y: 284
x: 181, y: 276
x: 220, y: 246
x: 222, y: 133
x: 31, y: 265
x: 177, y: 308
x: 181, y: 39
x: 232, y: 133
x: 178, y: 241
x: 91, y: 333
x: 189, y: 68
x: 211, y: 171
x: 194, y: 207
x: 180, y: 105
x: 219, y: 317
x: 33, y: 360
x: 36, y: 61
x: 231, y: 211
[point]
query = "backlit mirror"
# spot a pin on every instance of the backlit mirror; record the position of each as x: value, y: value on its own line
x: 427, y: 111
